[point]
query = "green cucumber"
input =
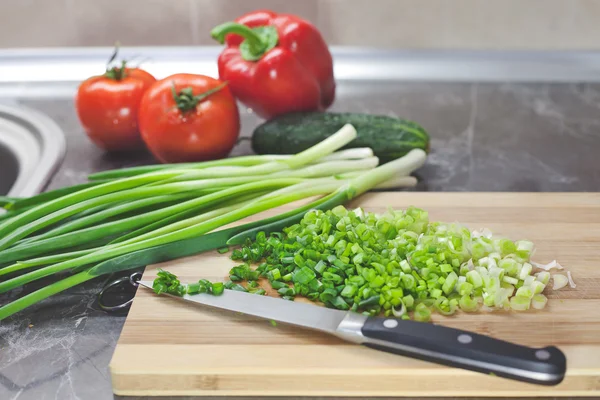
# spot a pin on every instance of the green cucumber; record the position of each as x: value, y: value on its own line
x: 389, y: 137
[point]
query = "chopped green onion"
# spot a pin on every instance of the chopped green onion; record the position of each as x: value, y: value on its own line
x: 351, y: 258
x: 465, y: 289
x: 520, y: 303
x: 445, y: 306
x: 450, y: 282
x: 525, y: 271
x: 528, y: 281
x: 524, y: 245
x: 474, y: 279
x: 303, y: 276
x: 278, y: 285
x: 525, y: 291
x: 422, y: 313
x: 507, y: 286
x: 510, y: 280
x: 496, y: 272
x: 400, y: 312
x: 408, y: 301
x: 466, y: 303
x: 349, y: 290
x: 539, y: 301
x: 509, y: 265
x: 537, y: 287
x: 501, y: 296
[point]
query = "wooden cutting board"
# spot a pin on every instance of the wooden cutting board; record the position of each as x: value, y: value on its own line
x: 169, y: 347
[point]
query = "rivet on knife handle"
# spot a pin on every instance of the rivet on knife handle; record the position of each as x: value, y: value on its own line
x: 456, y: 348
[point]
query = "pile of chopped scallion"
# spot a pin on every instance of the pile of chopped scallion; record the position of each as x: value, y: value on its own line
x: 396, y: 263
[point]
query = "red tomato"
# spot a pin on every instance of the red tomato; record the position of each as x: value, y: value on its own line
x: 187, y: 118
x: 107, y: 106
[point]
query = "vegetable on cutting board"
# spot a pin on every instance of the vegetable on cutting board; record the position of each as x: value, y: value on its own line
x: 276, y: 63
x: 397, y: 264
x: 393, y: 262
x: 388, y: 137
x: 131, y: 218
x: 107, y: 106
x: 188, y: 117
x: 167, y: 282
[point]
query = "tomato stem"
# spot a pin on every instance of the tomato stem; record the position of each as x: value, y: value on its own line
x: 185, y: 99
x: 113, y: 71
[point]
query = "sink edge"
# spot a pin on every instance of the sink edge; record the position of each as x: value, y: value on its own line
x: 52, y: 143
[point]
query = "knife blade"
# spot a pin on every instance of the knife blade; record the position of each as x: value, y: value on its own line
x: 422, y: 340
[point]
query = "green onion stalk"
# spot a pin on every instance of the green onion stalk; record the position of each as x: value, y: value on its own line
x: 130, y: 218
x: 244, y: 161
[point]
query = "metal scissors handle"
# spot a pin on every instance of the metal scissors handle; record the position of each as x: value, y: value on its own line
x: 131, y: 280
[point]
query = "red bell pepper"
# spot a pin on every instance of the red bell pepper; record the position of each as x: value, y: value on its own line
x: 276, y: 63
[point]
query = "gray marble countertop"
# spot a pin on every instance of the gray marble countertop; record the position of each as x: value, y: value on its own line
x: 485, y: 137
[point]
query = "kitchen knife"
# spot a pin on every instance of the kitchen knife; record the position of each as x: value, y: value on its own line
x: 422, y: 340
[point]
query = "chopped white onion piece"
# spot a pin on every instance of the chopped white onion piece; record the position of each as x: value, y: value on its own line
x: 560, y: 281
x: 399, y: 313
x: 497, y: 272
x: 501, y: 296
x: 525, y: 271
x: 359, y: 212
x: 525, y: 245
x: 547, y: 267
x: 543, y: 277
x: 571, y: 281
x: 510, y: 280
x: 485, y: 232
x: 487, y: 262
x: 519, y: 268
x: 528, y: 281
x: 492, y: 284
x: 510, y: 289
x: 470, y: 264
x: 495, y: 256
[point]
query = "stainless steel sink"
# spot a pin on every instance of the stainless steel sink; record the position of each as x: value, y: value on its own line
x: 32, y: 147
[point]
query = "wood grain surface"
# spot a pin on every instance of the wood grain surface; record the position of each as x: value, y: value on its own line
x: 169, y: 347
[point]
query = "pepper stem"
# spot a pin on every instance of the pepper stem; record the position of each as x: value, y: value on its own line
x: 185, y: 99
x: 257, y: 41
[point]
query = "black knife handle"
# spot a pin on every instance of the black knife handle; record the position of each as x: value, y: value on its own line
x: 467, y: 350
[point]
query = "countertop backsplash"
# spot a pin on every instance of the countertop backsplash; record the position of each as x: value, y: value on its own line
x: 407, y: 24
